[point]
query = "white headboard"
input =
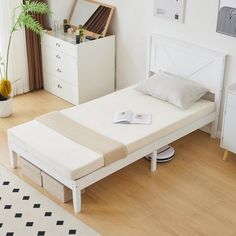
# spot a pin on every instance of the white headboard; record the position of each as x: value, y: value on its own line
x: 188, y: 61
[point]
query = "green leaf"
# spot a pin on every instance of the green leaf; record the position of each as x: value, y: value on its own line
x: 35, y: 7
x: 30, y: 23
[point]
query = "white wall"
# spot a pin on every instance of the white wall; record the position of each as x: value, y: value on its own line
x: 134, y: 19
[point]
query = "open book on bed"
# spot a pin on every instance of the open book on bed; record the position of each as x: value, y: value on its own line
x: 128, y: 117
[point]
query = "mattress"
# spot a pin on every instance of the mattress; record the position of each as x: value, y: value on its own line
x: 75, y: 161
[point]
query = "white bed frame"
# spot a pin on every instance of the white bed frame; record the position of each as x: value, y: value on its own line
x: 166, y: 54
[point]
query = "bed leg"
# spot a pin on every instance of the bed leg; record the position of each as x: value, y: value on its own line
x: 76, y: 198
x: 13, y: 159
x: 154, y: 161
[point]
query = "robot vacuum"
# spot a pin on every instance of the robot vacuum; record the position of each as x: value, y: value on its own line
x: 164, y: 154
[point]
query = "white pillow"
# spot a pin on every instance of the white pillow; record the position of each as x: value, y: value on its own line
x: 180, y: 92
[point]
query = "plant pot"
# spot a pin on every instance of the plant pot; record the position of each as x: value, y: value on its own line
x: 6, y: 108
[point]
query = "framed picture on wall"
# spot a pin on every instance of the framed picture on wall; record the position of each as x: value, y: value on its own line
x: 170, y: 9
x: 227, y: 17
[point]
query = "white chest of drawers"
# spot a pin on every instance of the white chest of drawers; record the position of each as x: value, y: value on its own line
x: 78, y: 73
x: 228, y: 138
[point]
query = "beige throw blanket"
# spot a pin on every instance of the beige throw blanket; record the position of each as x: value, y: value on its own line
x: 111, y: 150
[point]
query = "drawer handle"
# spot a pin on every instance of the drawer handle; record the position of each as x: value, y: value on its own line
x: 59, y: 86
x: 58, y: 45
x: 58, y: 70
x: 58, y: 57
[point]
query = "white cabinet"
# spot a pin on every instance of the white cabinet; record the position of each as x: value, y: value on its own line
x: 228, y: 138
x: 78, y: 72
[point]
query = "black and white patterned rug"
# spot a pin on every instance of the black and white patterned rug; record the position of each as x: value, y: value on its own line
x: 26, y: 212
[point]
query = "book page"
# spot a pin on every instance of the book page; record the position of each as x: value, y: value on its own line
x: 123, y: 117
x: 141, y: 119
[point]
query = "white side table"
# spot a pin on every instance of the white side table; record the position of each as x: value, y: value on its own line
x: 228, y: 138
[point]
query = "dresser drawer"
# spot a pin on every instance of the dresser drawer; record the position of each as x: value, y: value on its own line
x: 60, y: 45
x: 60, y: 65
x: 61, y: 89
x: 67, y: 92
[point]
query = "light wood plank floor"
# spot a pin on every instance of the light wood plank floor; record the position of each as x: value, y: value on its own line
x: 195, y: 194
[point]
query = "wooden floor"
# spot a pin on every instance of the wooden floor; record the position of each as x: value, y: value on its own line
x: 195, y: 194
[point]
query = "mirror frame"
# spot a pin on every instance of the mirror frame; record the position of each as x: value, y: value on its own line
x: 90, y: 33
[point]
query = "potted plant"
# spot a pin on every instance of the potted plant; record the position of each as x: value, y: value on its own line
x: 5, y: 92
x: 25, y: 18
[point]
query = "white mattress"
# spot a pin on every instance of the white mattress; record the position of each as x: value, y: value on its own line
x: 73, y: 160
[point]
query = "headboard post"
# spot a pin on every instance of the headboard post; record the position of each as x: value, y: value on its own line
x: 218, y: 98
